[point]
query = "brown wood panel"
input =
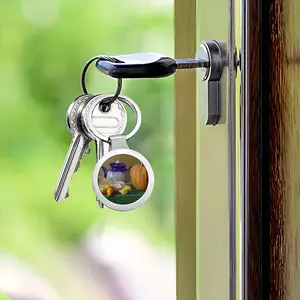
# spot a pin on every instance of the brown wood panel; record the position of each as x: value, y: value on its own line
x: 273, y: 175
x: 277, y: 123
x: 250, y: 124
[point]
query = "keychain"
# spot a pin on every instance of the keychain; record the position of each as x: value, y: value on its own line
x: 123, y: 179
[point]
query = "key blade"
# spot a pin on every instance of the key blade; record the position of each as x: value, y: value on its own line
x: 76, y: 150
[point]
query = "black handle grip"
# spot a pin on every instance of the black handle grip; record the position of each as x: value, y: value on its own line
x: 139, y: 65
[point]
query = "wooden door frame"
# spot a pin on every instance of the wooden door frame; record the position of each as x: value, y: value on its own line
x: 269, y: 149
x: 255, y: 150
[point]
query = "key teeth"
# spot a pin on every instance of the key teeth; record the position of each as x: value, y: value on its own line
x: 77, y: 167
x: 71, y: 165
x: 59, y: 199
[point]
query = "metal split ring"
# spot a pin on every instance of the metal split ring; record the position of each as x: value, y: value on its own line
x: 107, y: 102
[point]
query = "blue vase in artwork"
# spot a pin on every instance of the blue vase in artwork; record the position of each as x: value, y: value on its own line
x: 117, y: 172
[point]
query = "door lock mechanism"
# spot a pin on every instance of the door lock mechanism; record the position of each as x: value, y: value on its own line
x: 209, y: 62
x: 210, y: 89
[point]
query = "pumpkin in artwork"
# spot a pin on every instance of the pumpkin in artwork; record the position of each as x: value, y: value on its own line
x: 139, y: 177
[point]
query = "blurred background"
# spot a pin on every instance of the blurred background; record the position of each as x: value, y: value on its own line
x: 73, y: 249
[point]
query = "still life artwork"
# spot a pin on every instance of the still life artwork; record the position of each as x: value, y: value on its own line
x: 123, y: 179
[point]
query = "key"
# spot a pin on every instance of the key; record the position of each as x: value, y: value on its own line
x: 79, y: 145
x: 87, y: 150
x: 100, y: 125
x: 147, y: 65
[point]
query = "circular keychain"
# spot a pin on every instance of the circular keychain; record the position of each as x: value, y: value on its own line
x: 123, y: 179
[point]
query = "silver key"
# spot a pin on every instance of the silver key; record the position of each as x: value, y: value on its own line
x: 68, y: 119
x: 97, y: 124
x: 79, y: 145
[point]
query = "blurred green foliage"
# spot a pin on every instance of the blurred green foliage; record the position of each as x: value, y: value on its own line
x: 44, y: 45
x: 3, y: 297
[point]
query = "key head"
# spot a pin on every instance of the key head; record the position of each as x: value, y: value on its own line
x: 139, y: 65
x: 73, y: 116
x: 97, y: 124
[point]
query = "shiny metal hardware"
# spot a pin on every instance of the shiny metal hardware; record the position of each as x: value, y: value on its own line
x: 210, y: 90
x: 209, y: 62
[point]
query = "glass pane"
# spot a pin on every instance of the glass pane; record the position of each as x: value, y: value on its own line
x: 74, y: 249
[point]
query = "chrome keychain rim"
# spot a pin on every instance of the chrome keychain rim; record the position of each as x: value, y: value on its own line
x: 87, y: 116
x: 137, y: 203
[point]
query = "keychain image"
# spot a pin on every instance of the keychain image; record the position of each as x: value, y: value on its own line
x: 123, y: 179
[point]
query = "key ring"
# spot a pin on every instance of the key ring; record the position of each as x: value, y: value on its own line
x: 107, y: 102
